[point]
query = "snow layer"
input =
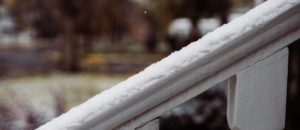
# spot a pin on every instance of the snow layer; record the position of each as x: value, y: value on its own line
x: 110, y: 98
x: 180, y: 27
x: 207, y: 25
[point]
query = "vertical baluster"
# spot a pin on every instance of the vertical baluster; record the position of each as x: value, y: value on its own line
x: 257, y: 95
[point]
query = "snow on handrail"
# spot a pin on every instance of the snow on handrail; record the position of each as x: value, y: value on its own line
x: 182, y: 69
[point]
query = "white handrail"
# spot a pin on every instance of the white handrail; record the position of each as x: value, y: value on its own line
x: 148, y: 94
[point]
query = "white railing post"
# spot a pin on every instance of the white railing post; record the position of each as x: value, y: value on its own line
x: 257, y: 95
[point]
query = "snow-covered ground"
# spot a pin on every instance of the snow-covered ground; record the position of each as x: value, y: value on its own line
x: 36, y: 90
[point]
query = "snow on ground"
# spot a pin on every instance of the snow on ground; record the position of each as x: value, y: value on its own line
x: 36, y: 89
x: 118, y: 94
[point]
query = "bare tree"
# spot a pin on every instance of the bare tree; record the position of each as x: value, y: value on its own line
x: 74, y: 23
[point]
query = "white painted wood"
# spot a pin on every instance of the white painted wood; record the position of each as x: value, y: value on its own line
x: 176, y: 90
x: 218, y: 77
x: 153, y: 125
x: 257, y: 95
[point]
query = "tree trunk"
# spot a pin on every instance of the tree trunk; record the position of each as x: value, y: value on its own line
x: 70, y: 55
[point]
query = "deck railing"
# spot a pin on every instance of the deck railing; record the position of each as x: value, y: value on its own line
x: 250, y: 53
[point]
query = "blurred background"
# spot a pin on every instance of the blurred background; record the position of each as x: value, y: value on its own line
x: 56, y: 54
